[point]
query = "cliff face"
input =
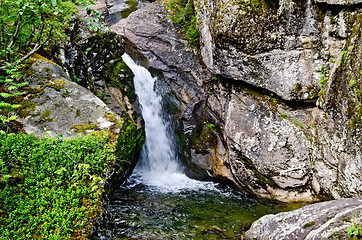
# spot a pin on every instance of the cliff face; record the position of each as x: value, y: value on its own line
x: 288, y: 145
x: 277, y: 109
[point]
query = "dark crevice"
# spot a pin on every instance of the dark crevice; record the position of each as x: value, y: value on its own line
x: 295, y: 104
x: 336, y: 8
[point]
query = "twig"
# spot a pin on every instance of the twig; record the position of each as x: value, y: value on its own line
x: 75, y: 162
x: 15, y: 34
x: 34, y: 50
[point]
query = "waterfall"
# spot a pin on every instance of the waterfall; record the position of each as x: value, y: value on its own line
x: 158, y: 154
x: 158, y: 166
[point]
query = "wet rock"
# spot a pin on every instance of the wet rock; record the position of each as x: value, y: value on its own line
x: 326, y: 220
x: 338, y: 128
x: 88, y: 52
x: 152, y: 34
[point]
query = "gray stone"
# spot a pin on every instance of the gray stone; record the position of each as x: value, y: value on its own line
x: 279, y: 52
x: 61, y: 105
x: 326, y: 220
x: 269, y: 153
x: 340, y: 2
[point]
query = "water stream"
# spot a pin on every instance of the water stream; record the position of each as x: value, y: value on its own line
x: 161, y: 202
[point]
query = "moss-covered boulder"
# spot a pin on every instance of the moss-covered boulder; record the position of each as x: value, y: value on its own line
x: 55, y: 105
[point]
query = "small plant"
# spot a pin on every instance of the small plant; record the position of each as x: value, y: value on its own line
x: 355, y: 231
x: 75, y: 79
x: 183, y: 13
x: 323, y: 78
x: 298, y: 124
x: 209, y: 125
x: 102, y: 95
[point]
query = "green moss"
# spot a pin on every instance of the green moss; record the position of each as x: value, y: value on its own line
x: 203, y: 137
x: 57, y: 85
x: 112, y: 118
x: 128, y: 148
x: 118, y: 75
x: 84, y: 128
x: 44, y: 118
x: 78, y: 112
x: 130, y: 140
x: 48, y: 195
x: 309, y: 225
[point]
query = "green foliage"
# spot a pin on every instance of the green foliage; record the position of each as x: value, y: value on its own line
x: 10, y: 90
x: 50, y: 188
x: 323, y: 77
x: 355, y: 231
x: 183, y: 13
x: 130, y: 141
x: 26, y: 27
x: 211, y: 126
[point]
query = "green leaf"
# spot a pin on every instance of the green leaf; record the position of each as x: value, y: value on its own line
x: 15, y: 106
x: 54, y: 3
x: 14, y: 117
x: 11, y: 88
x: 4, y: 105
x: 5, y: 95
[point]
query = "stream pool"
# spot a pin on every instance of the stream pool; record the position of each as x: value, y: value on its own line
x: 182, y: 209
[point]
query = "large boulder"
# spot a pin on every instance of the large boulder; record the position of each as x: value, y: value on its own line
x: 57, y: 106
x: 326, y: 220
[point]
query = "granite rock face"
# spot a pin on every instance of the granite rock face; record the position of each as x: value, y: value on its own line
x: 273, y: 45
x: 326, y: 220
x: 278, y: 142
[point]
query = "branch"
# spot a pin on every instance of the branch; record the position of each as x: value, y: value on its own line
x: 34, y: 50
x: 28, y: 42
x: 15, y: 34
x: 75, y: 162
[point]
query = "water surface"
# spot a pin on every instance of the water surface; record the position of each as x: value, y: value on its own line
x: 188, y: 209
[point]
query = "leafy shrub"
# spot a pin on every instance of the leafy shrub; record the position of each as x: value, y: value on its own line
x: 183, y: 13
x: 50, y: 188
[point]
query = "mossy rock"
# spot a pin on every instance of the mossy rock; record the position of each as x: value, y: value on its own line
x: 203, y: 137
x: 117, y: 74
x: 128, y: 149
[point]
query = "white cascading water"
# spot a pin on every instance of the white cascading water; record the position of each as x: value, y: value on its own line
x: 158, y: 166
